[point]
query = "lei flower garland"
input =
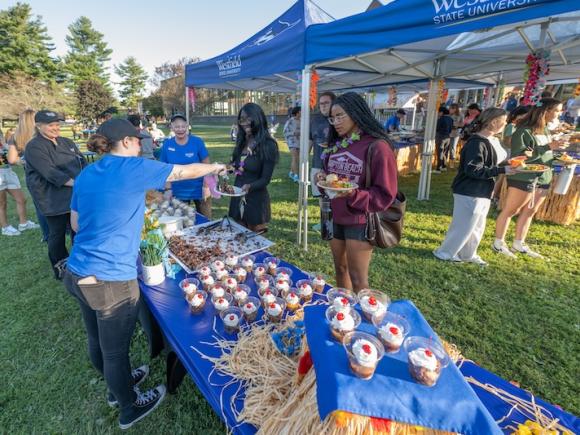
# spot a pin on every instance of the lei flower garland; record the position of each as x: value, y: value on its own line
x: 537, y: 67
x: 342, y: 144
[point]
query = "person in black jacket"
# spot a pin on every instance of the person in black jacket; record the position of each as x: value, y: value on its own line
x: 52, y: 164
x: 473, y: 187
x: 442, y: 138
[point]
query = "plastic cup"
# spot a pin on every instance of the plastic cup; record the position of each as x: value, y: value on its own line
x: 231, y: 261
x: 373, y: 303
x: 240, y: 274
x: 286, y: 273
x: 222, y: 303
x: 189, y: 286
x: 260, y: 269
x: 364, y: 352
x: 231, y: 317
x: 341, y: 298
x: 271, y: 264
x: 241, y: 294
x: 198, y: 301
x: 267, y: 296
x: 282, y: 285
x: 292, y: 302
x: 264, y: 282
x: 230, y: 285
x: 250, y: 314
x: 305, y: 289
x: 249, y: 266
x: 217, y: 290
x: 426, y: 359
x: 340, y: 323
x: 391, y: 331
x: 275, y: 310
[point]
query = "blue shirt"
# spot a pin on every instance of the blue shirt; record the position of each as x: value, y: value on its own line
x: 393, y: 123
x: 193, y: 151
x: 109, y: 197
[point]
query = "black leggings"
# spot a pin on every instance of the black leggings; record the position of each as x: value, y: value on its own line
x: 57, y: 229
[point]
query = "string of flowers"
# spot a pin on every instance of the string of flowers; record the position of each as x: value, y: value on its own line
x: 314, y: 78
x: 577, y: 91
x: 537, y: 67
x: 342, y: 144
x: 392, y: 101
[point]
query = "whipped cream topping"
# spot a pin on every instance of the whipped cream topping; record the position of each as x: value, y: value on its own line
x: 231, y: 319
x: 231, y: 283
x: 283, y: 276
x: 423, y: 357
x: 249, y: 308
x: 207, y: 279
x: 274, y: 309
x: 189, y: 287
x: 205, y: 270
x: 240, y: 294
x: 240, y: 272
x: 318, y: 281
x: 343, y: 322
x: 263, y: 283
x: 247, y: 262
x: 260, y: 270
x: 231, y: 260
x: 341, y: 304
x: 221, y: 274
x: 292, y: 298
x: 392, y: 333
x: 218, y: 265
x: 197, y: 300
x: 272, y: 264
x: 365, y: 353
x: 282, y: 285
x: 218, y: 291
x: 221, y: 304
x: 268, y: 297
x: 372, y: 305
x: 305, y: 289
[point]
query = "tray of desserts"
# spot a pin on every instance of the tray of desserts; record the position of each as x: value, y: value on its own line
x: 200, y: 244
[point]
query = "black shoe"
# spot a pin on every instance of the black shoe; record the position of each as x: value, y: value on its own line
x: 59, y: 269
x: 142, y: 407
x: 139, y: 374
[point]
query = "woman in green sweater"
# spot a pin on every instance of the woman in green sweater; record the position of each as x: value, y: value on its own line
x: 527, y: 191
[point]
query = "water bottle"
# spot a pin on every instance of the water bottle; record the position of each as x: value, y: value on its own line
x: 326, y: 228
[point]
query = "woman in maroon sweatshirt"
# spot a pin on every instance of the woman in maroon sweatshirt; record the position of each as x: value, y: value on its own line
x: 353, y: 128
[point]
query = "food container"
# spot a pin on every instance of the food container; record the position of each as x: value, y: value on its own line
x: 364, y: 352
x: 426, y: 359
x: 391, y: 331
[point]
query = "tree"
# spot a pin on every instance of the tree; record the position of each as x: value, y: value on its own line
x: 24, y: 45
x: 87, y: 55
x: 153, y: 104
x: 133, y: 82
x: 168, y: 79
x: 92, y: 98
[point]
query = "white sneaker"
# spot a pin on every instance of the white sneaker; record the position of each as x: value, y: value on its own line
x: 10, y: 231
x: 525, y: 249
x: 29, y: 225
x: 477, y: 260
x: 501, y: 248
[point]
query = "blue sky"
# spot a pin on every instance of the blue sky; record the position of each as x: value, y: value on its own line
x: 165, y: 30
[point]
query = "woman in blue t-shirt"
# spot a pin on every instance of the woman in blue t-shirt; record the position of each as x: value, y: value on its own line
x: 185, y: 148
x: 107, y: 213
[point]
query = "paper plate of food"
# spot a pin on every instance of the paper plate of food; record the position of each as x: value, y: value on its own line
x: 525, y: 168
x: 335, y: 183
x: 229, y: 190
x: 567, y: 159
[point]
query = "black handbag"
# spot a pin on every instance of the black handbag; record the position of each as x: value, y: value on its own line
x: 384, y: 228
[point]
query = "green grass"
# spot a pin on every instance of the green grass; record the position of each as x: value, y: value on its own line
x: 518, y: 319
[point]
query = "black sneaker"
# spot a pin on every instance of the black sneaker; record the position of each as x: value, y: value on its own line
x: 143, y: 406
x: 139, y: 374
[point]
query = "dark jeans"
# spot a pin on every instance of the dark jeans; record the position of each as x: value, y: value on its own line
x: 109, y: 310
x: 43, y: 223
x: 442, y: 149
x: 57, y: 228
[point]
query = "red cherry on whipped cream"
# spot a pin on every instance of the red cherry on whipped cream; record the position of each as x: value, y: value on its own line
x: 199, y: 296
x: 272, y: 305
x: 366, y: 349
x: 281, y: 281
x: 232, y: 317
x: 340, y: 316
x: 394, y: 330
x: 249, y: 306
x: 221, y: 300
x: 344, y: 301
x: 372, y: 301
x: 428, y: 353
x: 230, y: 281
x: 267, y: 292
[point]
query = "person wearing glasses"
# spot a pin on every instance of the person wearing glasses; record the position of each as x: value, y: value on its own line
x: 254, y: 158
x: 108, y: 209
x: 353, y: 128
x: 52, y: 164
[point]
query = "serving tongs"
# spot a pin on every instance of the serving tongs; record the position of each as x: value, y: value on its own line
x: 244, y: 237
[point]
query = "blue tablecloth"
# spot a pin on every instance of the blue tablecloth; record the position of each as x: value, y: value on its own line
x: 183, y: 330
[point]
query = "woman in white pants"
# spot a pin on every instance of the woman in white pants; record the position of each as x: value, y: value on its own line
x: 473, y: 188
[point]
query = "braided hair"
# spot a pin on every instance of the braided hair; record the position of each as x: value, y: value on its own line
x: 360, y: 113
x: 266, y: 145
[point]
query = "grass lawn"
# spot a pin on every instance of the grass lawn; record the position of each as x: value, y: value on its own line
x: 519, y: 319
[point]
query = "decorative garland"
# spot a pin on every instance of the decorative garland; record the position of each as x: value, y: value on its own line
x: 577, y: 91
x: 392, y: 101
x: 537, y: 67
x: 314, y: 78
x: 344, y: 143
x: 441, y: 93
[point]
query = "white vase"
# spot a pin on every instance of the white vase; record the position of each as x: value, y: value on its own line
x: 153, y: 275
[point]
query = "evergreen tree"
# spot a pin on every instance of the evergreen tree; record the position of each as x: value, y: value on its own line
x: 133, y: 79
x: 88, y: 54
x: 92, y: 98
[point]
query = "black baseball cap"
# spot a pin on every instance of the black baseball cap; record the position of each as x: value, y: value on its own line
x: 117, y: 129
x: 401, y: 112
x: 178, y: 116
x: 47, y: 116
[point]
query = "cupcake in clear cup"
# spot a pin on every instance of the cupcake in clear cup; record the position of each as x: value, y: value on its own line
x: 189, y: 286
x: 231, y: 261
x: 364, y: 353
x: 217, y: 265
x: 217, y: 290
x: 207, y: 281
x: 271, y: 264
x: 282, y: 285
x: 283, y: 273
x: 292, y: 299
x: 373, y: 303
x: 275, y: 310
x: 204, y: 270
x: 222, y: 303
x: 391, y: 330
x: 231, y: 283
x: 241, y: 294
x: 231, y: 317
x: 341, y: 299
x: 260, y: 270
x: 240, y: 274
x: 268, y: 296
x: 318, y: 283
x: 198, y: 301
x: 426, y: 359
x: 250, y: 308
x: 247, y: 262
x: 221, y: 274
x: 305, y: 290
x: 342, y: 322
x: 264, y: 282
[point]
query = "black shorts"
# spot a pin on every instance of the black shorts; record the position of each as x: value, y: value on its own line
x: 349, y: 232
x: 526, y: 186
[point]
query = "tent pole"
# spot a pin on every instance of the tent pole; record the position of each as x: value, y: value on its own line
x: 304, y: 152
x: 429, y: 140
x: 187, y: 105
x: 496, y: 101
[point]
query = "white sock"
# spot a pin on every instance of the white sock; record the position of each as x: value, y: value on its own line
x: 498, y: 242
x: 518, y: 245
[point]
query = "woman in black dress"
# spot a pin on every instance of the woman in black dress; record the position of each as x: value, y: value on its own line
x: 254, y: 158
